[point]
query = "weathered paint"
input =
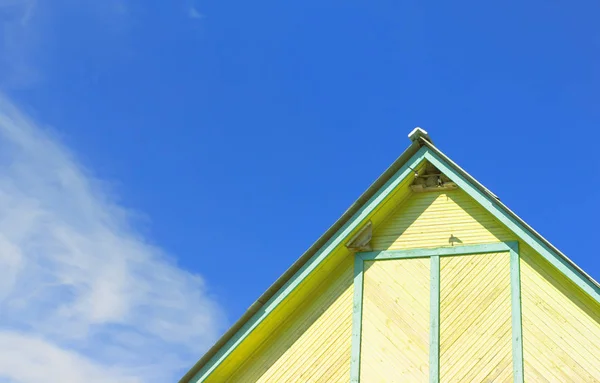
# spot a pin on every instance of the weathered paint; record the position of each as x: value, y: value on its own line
x: 475, y: 319
x: 395, y: 329
x: 561, y: 325
x: 311, y: 345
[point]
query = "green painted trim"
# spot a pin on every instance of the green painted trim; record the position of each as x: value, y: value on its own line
x: 357, y: 219
x: 439, y: 251
x: 434, y: 321
x: 517, y: 325
x: 434, y: 309
x: 357, y: 308
x: 393, y: 254
x: 515, y: 226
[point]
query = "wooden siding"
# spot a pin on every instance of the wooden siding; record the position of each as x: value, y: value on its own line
x: 395, y: 331
x: 475, y: 319
x: 311, y: 345
x: 438, y: 219
x: 307, y: 337
x: 561, y: 325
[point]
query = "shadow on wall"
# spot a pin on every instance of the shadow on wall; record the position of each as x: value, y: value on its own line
x: 454, y: 240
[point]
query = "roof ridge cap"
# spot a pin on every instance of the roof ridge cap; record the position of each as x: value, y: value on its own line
x: 419, y: 133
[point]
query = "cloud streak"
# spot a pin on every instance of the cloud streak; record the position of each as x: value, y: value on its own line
x: 83, y: 296
x: 19, y: 43
x: 193, y: 13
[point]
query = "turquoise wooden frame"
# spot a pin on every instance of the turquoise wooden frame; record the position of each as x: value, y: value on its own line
x: 434, y: 341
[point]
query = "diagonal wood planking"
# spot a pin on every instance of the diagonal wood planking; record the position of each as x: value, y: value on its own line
x: 395, y: 333
x: 475, y: 323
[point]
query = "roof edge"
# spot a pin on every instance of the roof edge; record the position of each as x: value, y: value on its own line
x: 264, y: 298
x: 421, y: 139
x: 419, y: 134
x: 509, y: 212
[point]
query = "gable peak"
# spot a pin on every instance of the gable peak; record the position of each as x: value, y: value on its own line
x: 431, y: 178
x: 417, y: 133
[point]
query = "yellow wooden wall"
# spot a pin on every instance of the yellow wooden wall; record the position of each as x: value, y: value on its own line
x: 475, y: 319
x: 438, y: 219
x: 307, y: 338
x: 561, y: 325
x: 312, y: 345
x: 395, y: 328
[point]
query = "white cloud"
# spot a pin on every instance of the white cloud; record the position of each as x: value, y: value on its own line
x: 83, y: 296
x: 25, y: 358
x: 36, y: 35
x: 193, y: 13
x: 19, y: 43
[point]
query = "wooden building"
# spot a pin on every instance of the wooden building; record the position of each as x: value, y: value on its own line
x: 428, y: 277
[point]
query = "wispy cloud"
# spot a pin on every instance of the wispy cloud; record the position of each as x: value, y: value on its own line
x: 19, y: 43
x: 194, y: 13
x: 33, y: 31
x: 83, y: 296
x: 37, y: 36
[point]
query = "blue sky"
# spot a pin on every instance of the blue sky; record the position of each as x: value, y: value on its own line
x: 169, y: 160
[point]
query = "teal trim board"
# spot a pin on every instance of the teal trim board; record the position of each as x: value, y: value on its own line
x: 434, y: 320
x: 517, y: 324
x: 441, y: 251
x: 359, y: 268
x: 434, y: 313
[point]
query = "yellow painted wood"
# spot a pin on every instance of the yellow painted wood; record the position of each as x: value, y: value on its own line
x: 561, y: 325
x: 307, y: 337
x: 458, y: 215
x: 438, y: 219
x: 395, y: 330
x: 312, y: 345
x: 475, y: 319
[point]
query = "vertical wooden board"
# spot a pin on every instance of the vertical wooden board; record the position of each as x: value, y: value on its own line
x: 395, y: 321
x: 313, y: 344
x: 475, y: 319
x: 561, y: 325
